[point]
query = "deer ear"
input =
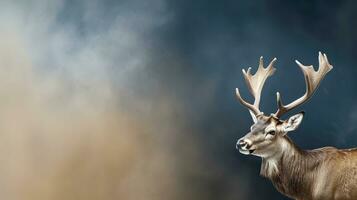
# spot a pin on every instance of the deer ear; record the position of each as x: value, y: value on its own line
x: 293, y: 122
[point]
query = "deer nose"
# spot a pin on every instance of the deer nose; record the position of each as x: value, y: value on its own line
x: 243, y: 143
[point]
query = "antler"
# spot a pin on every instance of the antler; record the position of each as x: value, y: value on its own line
x: 255, y: 85
x: 312, y: 80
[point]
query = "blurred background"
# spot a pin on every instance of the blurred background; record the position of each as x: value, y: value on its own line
x: 134, y: 99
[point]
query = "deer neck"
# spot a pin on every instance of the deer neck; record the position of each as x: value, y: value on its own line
x: 290, y: 171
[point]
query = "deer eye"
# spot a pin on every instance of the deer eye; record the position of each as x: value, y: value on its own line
x: 272, y: 132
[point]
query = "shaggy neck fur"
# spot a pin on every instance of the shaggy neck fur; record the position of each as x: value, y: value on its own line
x: 291, y: 170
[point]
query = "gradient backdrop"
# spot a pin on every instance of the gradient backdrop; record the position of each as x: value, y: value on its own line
x: 134, y: 99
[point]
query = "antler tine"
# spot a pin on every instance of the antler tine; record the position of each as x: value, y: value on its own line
x: 255, y: 85
x: 253, y: 109
x: 312, y: 80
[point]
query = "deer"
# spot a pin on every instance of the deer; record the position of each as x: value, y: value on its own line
x: 325, y: 173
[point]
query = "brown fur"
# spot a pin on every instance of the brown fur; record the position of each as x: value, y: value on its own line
x: 321, y: 174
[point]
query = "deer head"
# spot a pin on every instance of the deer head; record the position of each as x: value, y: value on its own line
x: 265, y: 136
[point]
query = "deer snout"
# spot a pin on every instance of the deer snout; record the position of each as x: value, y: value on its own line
x: 244, y: 144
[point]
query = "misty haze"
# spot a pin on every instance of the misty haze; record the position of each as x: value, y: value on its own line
x: 135, y: 99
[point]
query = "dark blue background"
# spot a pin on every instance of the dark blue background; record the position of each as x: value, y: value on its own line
x: 218, y: 38
x: 215, y: 39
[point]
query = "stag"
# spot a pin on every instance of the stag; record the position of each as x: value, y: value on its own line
x: 326, y: 173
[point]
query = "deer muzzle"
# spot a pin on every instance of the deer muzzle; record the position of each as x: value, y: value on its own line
x: 245, y: 146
